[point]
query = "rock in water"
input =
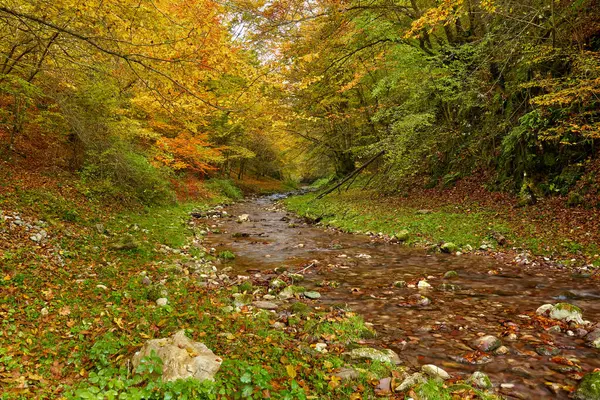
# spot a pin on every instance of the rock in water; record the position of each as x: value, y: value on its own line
x: 182, y: 358
x: 589, y: 388
x: 593, y: 338
x: 450, y: 275
x: 487, y: 343
x: 243, y: 218
x: 480, y: 380
x: 312, y: 295
x: 435, y: 372
x: 423, y: 285
x: 562, y: 312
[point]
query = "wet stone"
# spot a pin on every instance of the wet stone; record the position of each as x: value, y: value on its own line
x: 547, y: 350
x: 487, y: 343
x: 434, y: 371
x: 312, y: 295
x: 451, y: 275
x: 480, y: 380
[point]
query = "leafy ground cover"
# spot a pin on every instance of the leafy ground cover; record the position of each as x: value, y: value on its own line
x: 78, y: 284
x: 466, y: 215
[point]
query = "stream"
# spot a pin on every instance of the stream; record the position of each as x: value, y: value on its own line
x: 488, y: 298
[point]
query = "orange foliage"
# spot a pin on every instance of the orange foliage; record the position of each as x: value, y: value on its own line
x: 188, y: 152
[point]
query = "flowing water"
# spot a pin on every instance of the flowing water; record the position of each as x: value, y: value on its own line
x: 492, y: 299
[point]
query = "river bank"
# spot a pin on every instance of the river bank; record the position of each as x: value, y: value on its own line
x: 548, y: 233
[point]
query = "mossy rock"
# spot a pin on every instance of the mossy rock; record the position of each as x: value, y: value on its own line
x: 402, y: 236
x: 450, y: 275
x: 589, y: 387
x: 400, y: 284
x: 156, y: 292
x: 480, y: 380
x: 449, y: 247
x: 291, y: 290
x: 296, y: 277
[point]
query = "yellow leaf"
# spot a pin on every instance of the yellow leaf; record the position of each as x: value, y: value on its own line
x: 119, y: 322
x: 291, y: 371
x: 7, y: 278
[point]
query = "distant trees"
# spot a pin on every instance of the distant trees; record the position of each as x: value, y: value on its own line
x: 132, y: 92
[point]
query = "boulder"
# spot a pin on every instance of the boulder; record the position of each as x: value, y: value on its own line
x: 182, y: 358
x: 386, y: 356
x: 562, y: 312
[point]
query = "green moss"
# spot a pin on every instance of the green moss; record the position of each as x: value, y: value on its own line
x: 245, y: 286
x: 589, y: 388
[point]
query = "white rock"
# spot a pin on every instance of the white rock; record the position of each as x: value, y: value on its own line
x: 162, y: 302
x: 182, y: 358
x: 423, y: 285
x: 44, y: 311
x: 321, y: 347
x: 435, y: 372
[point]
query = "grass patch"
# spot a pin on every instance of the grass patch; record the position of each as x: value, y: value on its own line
x: 358, y: 213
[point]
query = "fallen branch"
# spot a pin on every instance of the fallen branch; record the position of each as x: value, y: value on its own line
x: 351, y: 175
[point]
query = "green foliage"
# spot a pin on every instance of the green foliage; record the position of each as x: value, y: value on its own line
x: 226, y: 187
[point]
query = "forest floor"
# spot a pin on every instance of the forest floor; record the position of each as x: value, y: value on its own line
x: 80, y: 281
x: 81, y: 284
